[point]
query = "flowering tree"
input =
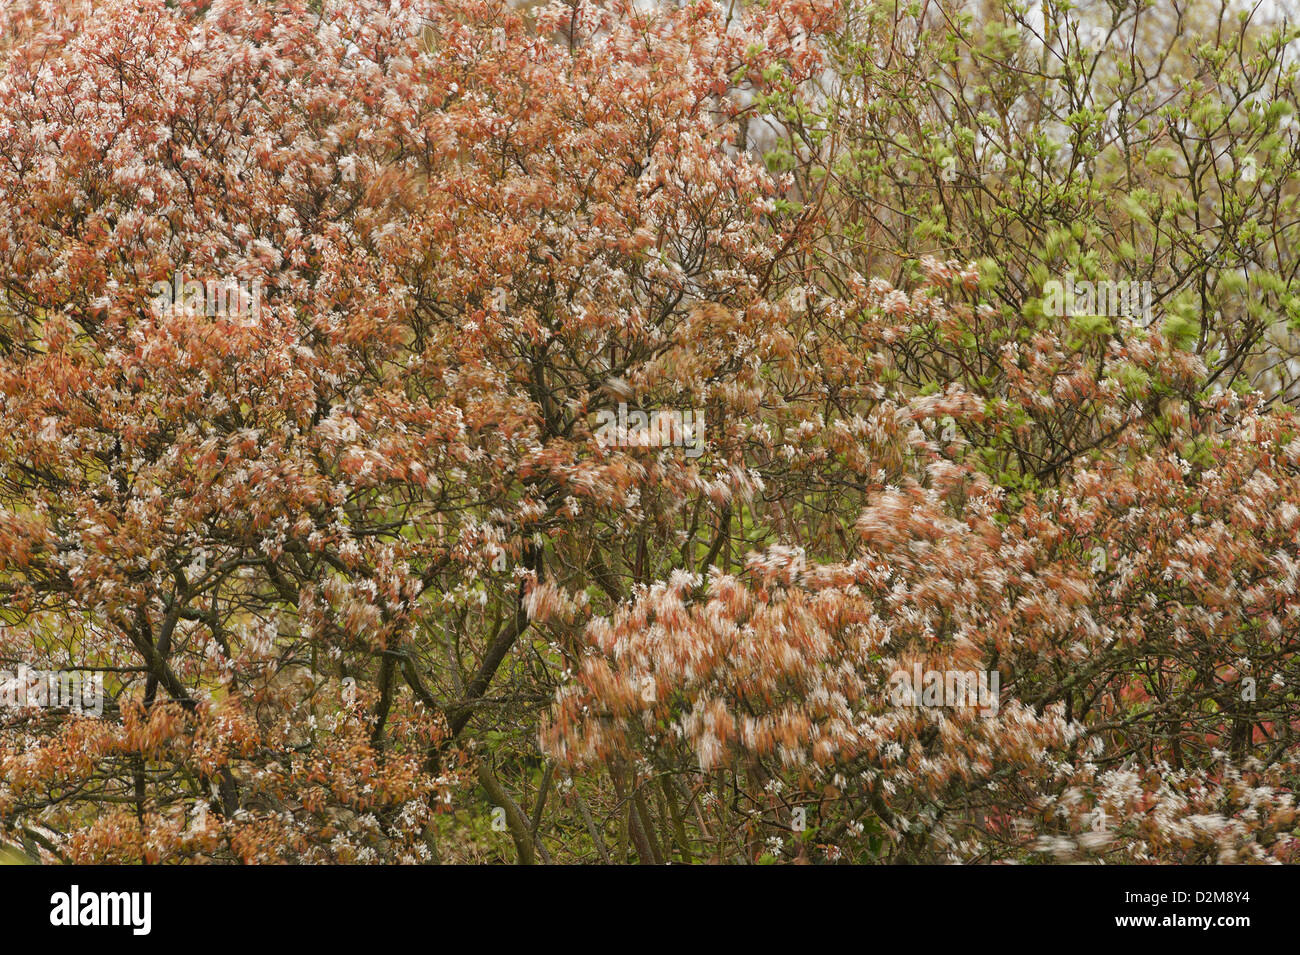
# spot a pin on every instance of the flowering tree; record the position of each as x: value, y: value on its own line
x: 1122, y: 611
x: 451, y: 437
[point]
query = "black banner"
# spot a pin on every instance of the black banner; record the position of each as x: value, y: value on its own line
x: 174, y: 905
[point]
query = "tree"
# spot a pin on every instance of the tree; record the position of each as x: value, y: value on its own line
x: 465, y: 432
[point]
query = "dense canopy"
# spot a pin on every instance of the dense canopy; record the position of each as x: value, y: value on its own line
x: 456, y: 431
